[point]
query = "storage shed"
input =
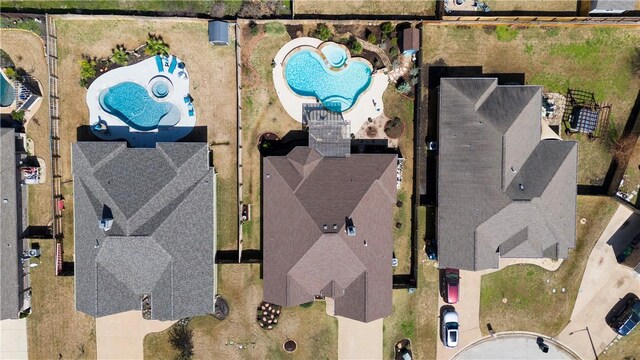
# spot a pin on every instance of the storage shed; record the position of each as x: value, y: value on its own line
x: 218, y: 32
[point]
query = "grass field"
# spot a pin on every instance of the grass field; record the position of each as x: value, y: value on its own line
x: 178, y: 6
x: 592, y: 59
x: 531, y: 305
x: 315, y: 332
x: 365, y: 7
x: 524, y: 5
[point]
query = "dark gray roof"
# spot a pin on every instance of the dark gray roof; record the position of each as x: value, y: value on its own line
x: 304, y: 195
x: 218, y: 32
x: 501, y: 189
x: 410, y: 39
x: 613, y: 5
x: 10, y: 281
x: 328, y: 131
x: 162, y: 238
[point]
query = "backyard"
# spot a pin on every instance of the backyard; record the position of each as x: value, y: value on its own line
x: 240, y: 337
x: 369, y: 7
x: 541, y: 6
x: 557, y: 58
x: 531, y: 304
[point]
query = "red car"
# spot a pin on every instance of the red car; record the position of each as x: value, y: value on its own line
x: 451, y: 285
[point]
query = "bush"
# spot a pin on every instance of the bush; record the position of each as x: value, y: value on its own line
x: 253, y: 28
x: 17, y: 115
x: 386, y: 28
x: 372, y: 38
x: 156, y: 46
x: 87, y: 71
x: 181, y: 338
x: 394, y: 52
x: 404, y: 88
x: 506, y: 33
x: 414, y: 71
x: 635, y: 62
x: 11, y: 73
x: 355, y: 46
x: 307, y: 305
x: 322, y: 32
x: 275, y: 28
x: 394, y: 41
x: 120, y: 56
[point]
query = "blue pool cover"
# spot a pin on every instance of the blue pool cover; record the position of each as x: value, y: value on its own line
x: 308, y: 75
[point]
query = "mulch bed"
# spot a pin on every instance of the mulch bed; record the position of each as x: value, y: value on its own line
x: 394, y: 128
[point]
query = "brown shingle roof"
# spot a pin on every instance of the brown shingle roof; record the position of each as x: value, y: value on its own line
x: 303, y: 192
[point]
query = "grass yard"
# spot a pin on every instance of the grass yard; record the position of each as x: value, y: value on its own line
x: 525, y: 5
x: 627, y: 348
x: 213, y: 87
x: 531, y: 305
x: 315, y: 332
x: 365, y: 7
x: 27, y: 51
x: 178, y: 6
x: 593, y: 59
x: 262, y: 112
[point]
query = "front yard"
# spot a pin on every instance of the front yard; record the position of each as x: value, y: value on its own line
x: 558, y: 58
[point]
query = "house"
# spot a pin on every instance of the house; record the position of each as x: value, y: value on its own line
x: 218, y: 32
x: 327, y: 230
x: 410, y: 41
x: 144, y: 229
x: 506, y: 188
x: 12, y: 226
x: 612, y: 6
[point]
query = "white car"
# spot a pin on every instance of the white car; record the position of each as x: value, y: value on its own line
x: 450, y: 328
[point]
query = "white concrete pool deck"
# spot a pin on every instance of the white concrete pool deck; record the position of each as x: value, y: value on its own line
x: 141, y: 73
x: 357, y: 115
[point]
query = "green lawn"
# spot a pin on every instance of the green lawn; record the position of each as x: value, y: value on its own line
x: 531, y: 305
x: 627, y: 348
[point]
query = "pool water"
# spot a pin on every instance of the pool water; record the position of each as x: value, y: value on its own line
x: 335, y: 55
x: 160, y: 89
x: 7, y: 92
x: 308, y: 75
x: 132, y: 104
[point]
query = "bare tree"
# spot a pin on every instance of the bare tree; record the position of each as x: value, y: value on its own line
x: 622, y: 148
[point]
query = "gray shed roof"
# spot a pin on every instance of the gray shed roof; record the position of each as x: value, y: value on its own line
x: 501, y: 190
x: 162, y: 238
x: 218, y: 32
x: 10, y: 283
x: 304, y: 195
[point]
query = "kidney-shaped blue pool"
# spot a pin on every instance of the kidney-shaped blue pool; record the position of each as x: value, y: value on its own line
x: 132, y: 104
x: 308, y: 75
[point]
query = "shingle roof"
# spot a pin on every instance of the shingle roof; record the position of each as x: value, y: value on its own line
x: 162, y: 238
x: 10, y: 283
x: 501, y: 189
x: 303, y: 192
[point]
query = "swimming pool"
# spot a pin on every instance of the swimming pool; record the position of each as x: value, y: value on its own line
x: 307, y: 74
x: 7, y: 92
x: 335, y: 55
x: 132, y: 104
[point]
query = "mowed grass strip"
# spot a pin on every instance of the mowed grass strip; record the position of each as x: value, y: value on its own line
x: 530, y: 303
x: 594, y: 59
x: 365, y: 7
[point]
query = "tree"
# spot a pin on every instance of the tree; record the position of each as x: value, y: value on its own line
x: 87, y: 71
x: 635, y: 62
x: 372, y: 38
x: 17, y: 115
x: 156, y: 46
x: 622, y: 149
x: 386, y: 27
x: 181, y: 338
x: 120, y: 55
x: 323, y: 32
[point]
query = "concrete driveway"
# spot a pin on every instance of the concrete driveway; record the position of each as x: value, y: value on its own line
x: 604, y: 283
x: 358, y: 340
x: 121, y: 336
x: 13, y: 339
x: 514, y: 346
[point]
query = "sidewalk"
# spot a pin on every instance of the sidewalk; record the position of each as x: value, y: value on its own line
x: 13, y: 339
x: 603, y: 284
x: 121, y: 336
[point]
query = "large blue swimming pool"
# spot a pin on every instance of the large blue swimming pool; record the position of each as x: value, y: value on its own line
x: 308, y: 75
x: 132, y: 104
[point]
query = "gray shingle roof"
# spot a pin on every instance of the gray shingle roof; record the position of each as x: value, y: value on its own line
x: 303, y: 192
x: 162, y: 239
x: 10, y: 281
x: 501, y: 190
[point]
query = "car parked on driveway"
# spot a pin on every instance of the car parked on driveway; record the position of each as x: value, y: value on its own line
x: 627, y: 316
x: 450, y: 285
x: 450, y: 328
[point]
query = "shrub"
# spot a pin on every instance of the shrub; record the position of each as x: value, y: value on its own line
x: 394, y: 41
x: 386, y: 28
x: 181, y: 338
x: 355, y: 46
x: 404, y: 87
x: 322, y: 32
x: 17, y: 115
x: 156, y: 46
x: 634, y: 61
x: 394, y: 52
x: 307, y: 305
x: 11, y: 73
x: 372, y: 38
x: 253, y: 28
x: 506, y: 33
x: 120, y: 55
x: 414, y: 71
x: 275, y: 28
x: 87, y: 71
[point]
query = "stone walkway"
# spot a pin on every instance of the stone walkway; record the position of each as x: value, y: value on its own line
x: 402, y: 71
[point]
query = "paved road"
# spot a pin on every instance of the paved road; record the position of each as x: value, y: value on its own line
x: 121, y: 336
x: 604, y: 283
x: 13, y: 339
x: 358, y: 340
x: 517, y: 347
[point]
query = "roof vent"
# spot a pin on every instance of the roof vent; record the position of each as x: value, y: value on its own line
x: 513, y: 169
x: 350, y: 228
x: 521, y: 186
x: 324, y: 227
x: 107, y: 218
x: 335, y: 227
